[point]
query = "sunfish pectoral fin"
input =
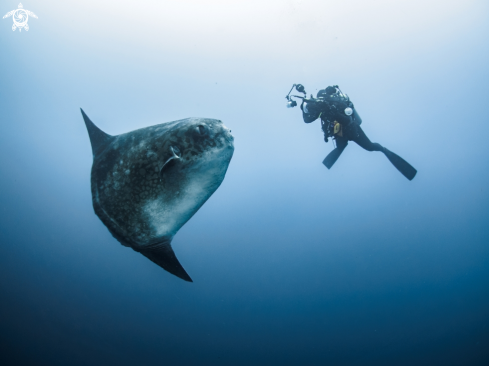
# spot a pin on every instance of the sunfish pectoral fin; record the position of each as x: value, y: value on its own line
x: 175, y: 155
x: 163, y: 255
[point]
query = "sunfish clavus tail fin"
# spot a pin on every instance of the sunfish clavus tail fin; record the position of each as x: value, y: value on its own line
x: 163, y: 255
x: 98, y: 138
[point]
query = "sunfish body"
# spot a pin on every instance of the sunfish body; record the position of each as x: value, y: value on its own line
x: 146, y: 184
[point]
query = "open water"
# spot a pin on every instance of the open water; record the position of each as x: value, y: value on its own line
x: 292, y: 264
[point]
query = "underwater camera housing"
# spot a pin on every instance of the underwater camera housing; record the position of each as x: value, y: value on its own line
x: 292, y: 103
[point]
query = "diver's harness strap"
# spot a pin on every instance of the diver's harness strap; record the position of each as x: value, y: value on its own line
x: 335, y: 128
x: 335, y: 112
x: 331, y: 129
x: 330, y: 124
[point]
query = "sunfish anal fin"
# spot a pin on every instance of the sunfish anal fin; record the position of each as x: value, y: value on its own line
x: 163, y: 255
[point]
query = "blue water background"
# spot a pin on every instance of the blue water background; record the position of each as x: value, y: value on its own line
x: 292, y: 264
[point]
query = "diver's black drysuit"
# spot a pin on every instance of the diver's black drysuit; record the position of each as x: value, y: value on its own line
x: 343, y: 128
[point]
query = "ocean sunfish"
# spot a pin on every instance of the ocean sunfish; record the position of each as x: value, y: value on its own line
x: 146, y: 184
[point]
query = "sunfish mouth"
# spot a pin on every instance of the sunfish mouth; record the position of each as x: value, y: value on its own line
x: 227, y: 135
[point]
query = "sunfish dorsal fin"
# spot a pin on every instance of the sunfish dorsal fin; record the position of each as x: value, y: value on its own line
x: 98, y: 138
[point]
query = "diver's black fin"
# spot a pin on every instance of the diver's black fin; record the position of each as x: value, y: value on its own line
x: 98, y: 138
x: 163, y: 255
x: 402, y: 165
x: 332, y: 157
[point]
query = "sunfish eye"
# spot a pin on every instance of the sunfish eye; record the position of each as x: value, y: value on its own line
x: 201, y: 129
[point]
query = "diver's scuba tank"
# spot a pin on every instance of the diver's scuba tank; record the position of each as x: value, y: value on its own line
x: 349, y: 111
x: 356, y: 117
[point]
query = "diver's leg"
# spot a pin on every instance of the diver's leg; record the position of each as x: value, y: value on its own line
x: 402, y: 165
x: 363, y: 141
x: 341, y: 143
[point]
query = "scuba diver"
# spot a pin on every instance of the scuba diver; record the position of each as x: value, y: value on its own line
x: 340, y: 121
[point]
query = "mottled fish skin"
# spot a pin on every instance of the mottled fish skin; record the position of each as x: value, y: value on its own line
x: 143, y: 205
